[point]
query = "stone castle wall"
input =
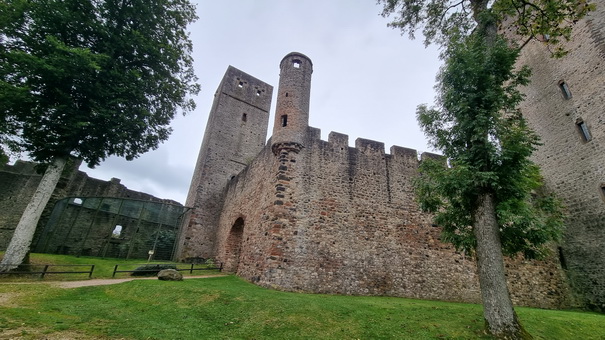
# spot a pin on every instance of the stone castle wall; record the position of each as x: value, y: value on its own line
x: 329, y: 218
x: 19, y: 182
x: 235, y: 134
x: 573, y: 165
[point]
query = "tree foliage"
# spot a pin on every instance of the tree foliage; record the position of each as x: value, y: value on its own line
x: 476, y: 123
x: 527, y: 19
x: 488, y: 201
x: 91, y: 78
x: 88, y: 79
x: 478, y: 127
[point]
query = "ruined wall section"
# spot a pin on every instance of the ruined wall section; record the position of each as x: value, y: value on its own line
x: 572, y: 163
x: 20, y: 181
x: 337, y: 219
x: 235, y: 134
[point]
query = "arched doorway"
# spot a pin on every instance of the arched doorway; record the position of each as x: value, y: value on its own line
x: 233, y: 246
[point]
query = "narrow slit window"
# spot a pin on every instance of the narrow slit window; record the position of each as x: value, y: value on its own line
x: 244, y: 117
x: 241, y: 84
x: 583, y: 130
x: 296, y: 64
x: 284, y: 120
x: 603, y: 190
x: 565, y: 90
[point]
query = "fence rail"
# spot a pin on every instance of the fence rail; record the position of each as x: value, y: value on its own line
x: 45, y: 270
x: 190, y: 268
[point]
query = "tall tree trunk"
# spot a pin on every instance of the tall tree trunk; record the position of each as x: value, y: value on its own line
x: 498, y: 309
x: 24, y: 233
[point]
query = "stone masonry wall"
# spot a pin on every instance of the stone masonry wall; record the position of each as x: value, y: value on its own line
x: 571, y: 164
x: 235, y: 134
x: 19, y: 181
x: 328, y: 218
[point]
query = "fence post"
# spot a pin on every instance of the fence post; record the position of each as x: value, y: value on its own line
x: 44, y: 271
x: 221, y: 267
x: 114, y: 270
x: 92, y: 268
x: 191, y: 270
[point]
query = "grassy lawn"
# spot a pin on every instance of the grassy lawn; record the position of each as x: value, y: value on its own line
x: 230, y: 308
x: 103, y: 267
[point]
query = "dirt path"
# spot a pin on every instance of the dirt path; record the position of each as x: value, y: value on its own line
x: 103, y: 282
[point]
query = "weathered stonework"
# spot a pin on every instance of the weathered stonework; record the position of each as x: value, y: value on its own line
x: 235, y: 134
x: 18, y: 182
x: 572, y: 164
x: 320, y: 216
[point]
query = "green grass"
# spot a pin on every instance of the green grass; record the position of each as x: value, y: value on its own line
x: 230, y: 308
x: 103, y: 267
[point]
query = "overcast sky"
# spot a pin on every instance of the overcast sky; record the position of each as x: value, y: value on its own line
x: 367, y: 79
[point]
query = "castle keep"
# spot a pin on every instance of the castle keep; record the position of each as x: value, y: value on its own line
x: 565, y: 105
x: 302, y: 214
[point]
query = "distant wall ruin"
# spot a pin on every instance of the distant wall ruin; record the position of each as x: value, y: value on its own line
x: 19, y: 181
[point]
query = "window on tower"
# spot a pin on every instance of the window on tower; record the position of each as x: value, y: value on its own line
x: 244, y: 117
x: 296, y: 63
x: 583, y: 130
x: 564, y: 90
x: 284, y: 120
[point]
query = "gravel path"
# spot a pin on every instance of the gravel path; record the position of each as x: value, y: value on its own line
x: 103, y: 282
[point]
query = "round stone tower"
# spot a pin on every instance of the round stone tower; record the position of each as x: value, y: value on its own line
x: 292, y: 110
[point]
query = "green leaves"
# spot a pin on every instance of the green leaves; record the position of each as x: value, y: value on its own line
x: 93, y: 78
x: 549, y: 21
x: 488, y: 144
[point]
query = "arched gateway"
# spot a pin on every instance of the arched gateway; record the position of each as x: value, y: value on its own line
x: 234, y: 246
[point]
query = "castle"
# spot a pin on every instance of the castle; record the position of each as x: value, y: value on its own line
x: 302, y: 214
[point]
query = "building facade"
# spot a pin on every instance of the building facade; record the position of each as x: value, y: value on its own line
x: 565, y: 105
x: 320, y: 216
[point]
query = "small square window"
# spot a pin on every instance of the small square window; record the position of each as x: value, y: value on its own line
x: 296, y: 63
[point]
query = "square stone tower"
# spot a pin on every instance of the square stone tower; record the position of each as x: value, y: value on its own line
x: 235, y: 133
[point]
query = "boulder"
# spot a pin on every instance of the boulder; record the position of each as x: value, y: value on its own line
x: 170, y: 275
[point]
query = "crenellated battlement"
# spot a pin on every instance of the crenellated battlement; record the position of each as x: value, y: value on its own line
x: 368, y: 146
x: 306, y: 214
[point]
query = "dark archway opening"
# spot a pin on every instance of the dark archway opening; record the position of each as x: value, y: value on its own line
x: 234, y: 246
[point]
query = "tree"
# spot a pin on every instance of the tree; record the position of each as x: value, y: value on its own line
x: 89, y: 79
x: 488, y: 202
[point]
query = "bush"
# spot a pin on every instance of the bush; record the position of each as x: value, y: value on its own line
x: 151, y: 269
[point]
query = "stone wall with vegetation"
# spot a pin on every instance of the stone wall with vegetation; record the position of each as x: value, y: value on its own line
x: 565, y: 105
x: 329, y: 218
x: 19, y: 181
